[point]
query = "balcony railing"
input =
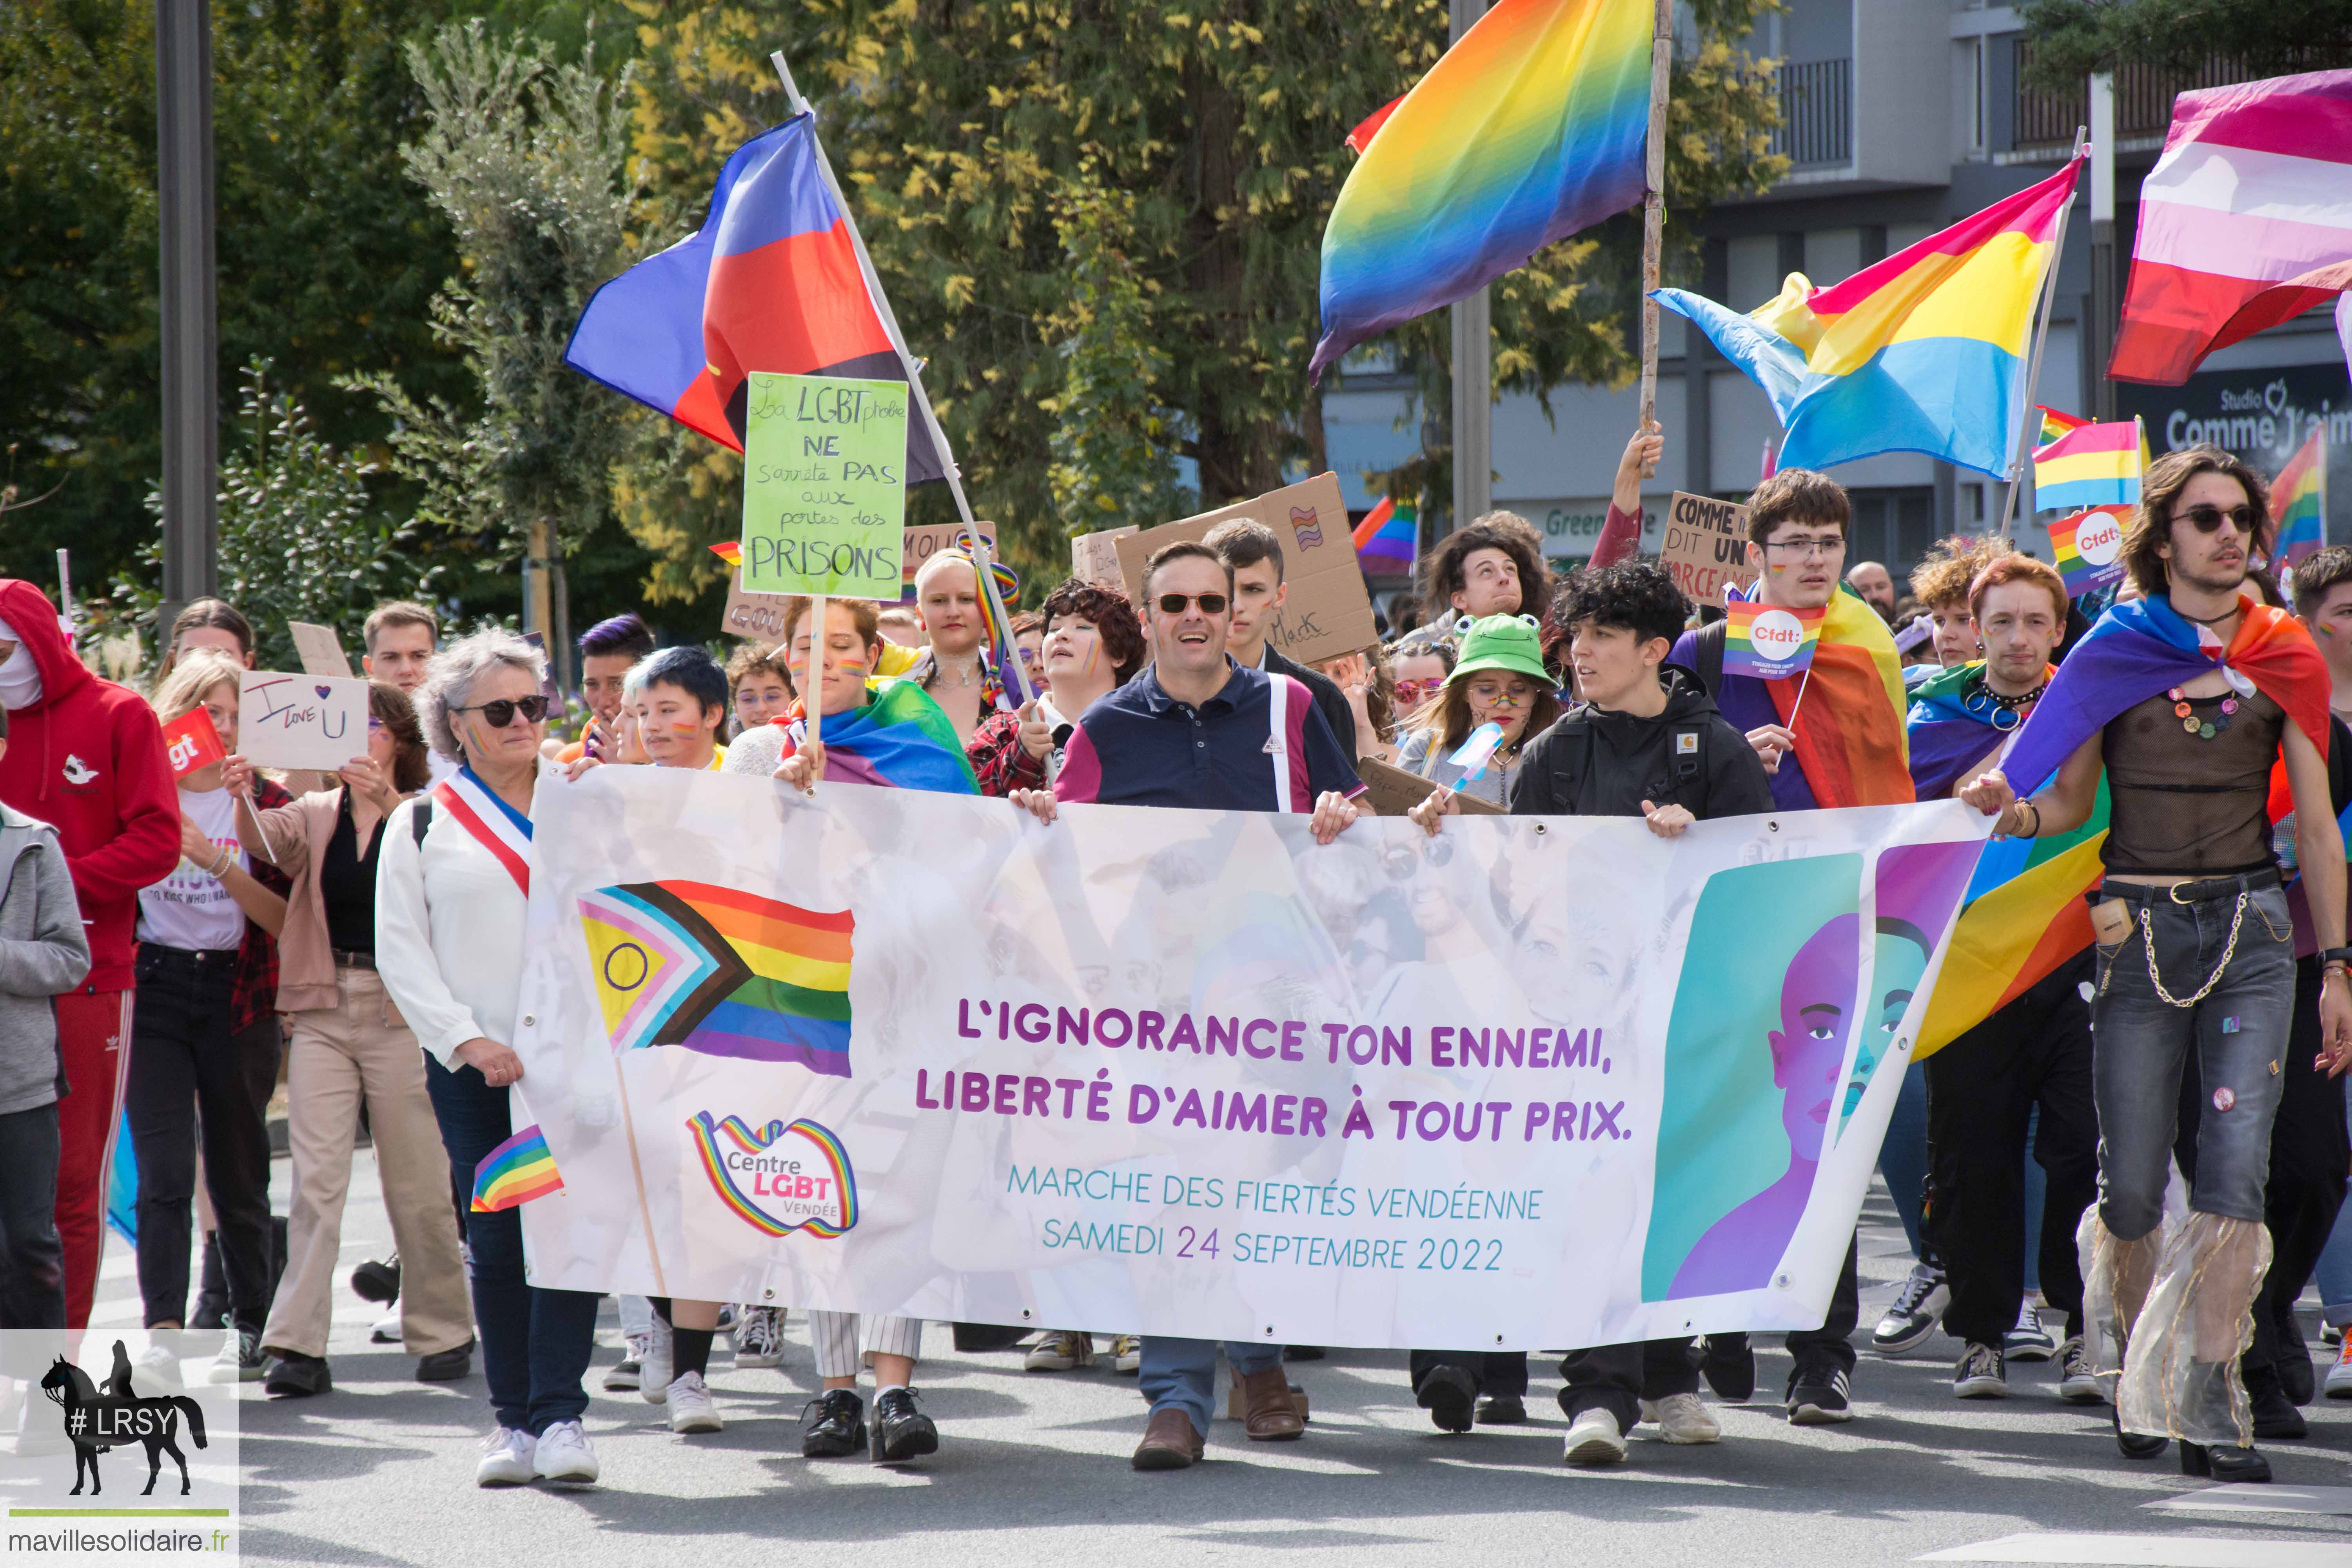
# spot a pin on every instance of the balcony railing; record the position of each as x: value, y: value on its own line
x: 2144, y: 96
x: 1816, y: 114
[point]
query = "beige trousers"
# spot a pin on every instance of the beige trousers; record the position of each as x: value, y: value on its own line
x: 340, y: 1055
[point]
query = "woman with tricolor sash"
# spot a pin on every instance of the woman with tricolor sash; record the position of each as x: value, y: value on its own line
x: 2206, y: 712
x: 452, y: 883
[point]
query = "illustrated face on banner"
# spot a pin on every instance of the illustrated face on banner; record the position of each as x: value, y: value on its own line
x: 1919, y: 887
x: 1816, y: 1018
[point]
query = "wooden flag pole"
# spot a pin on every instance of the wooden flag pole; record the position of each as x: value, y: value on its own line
x: 1653, y: 203
x: 2025, y: 422
x: 913, y: 369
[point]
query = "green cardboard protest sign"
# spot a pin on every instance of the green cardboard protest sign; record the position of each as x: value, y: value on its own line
x: 824, y: 485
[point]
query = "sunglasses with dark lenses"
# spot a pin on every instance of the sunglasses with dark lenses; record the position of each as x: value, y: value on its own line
x: 499, y: 714
x: 1210, y: 603
x: 2207, y: 518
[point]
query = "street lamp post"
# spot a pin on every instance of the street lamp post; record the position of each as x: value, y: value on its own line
x: 184, y: 181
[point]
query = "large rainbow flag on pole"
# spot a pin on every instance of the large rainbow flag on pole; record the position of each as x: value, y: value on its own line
x: 2299, y: 501
x: 1530, y: 128
x: 1924, y: 351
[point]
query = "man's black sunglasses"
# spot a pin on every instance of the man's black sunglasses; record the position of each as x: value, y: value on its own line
x: 2207, y: 518
x: 1210, y: 603
x: 499, y: 714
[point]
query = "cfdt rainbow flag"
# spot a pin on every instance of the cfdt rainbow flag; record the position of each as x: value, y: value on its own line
x: 1769, y: 642
x: 1924, y: 351
x: 771, y: 281
x: 1389, y: 539
x: 722, y: 972
x: 1529, y: 128
x: 517, y: 1171
x: 2091, y: 465
x: 2087, y: 548
x: 2299, y: 501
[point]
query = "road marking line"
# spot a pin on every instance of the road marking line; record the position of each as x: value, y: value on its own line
x: 2228, y: 1499
x: 2150, y: 1552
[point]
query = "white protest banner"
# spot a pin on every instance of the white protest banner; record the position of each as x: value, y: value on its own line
x: 1327, y: 611
x: 314, y: 721
x: 1705, y: 546
x: 886, y: 1051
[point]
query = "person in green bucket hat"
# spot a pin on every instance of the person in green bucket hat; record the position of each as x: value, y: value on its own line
x: 1498, y: 680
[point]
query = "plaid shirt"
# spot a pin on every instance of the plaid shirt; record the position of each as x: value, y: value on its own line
x: 254, y: 995
x: 999, y: 761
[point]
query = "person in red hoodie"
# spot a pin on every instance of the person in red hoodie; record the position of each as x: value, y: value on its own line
x: 86, y: 755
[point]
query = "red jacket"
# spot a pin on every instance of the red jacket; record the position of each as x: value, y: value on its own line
x: 88, y: 758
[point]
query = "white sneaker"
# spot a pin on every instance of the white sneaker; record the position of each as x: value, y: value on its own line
x: 690, y: 1410
x: 2339, y: 1376
x: 1683, y: 1418
x: 1060, y: 1352
x: 239, y: 1360
x: 158, y: 1367
x: 1127, y: 1354
x: 564, y: 1454
x: 759, y: 1337
x: 1593, y: 1439
x: 386, y: 1331
x: 505, y: 1458
x: 654, y: 1367
x: 2029, y: 1340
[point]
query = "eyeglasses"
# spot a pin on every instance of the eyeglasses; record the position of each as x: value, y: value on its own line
x: 375, y: 725
x: 2207, y: 518
x: 1807, y: 549
x: 1414, y: 691
x: 1174, y: 604
x: 499, y: 714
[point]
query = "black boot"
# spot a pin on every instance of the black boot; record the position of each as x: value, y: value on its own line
x: 2275, y: 1418
x: 2135, y: 1444
x: 2221, y: 1464
x: 1448, y: 1393
x: 832, y: 1425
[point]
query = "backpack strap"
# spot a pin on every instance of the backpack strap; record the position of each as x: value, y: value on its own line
x: 1571, y: 758
x: 1710, y: 654
x: 420, y: 817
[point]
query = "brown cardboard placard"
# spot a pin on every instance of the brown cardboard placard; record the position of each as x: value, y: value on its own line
x: 1704, y: 545
x: 760, y: 616
x: 1094, y: 557
x: 1394, y: 791
x: 923, y: 542
x: 1328, y: 613
x: 320, y: 649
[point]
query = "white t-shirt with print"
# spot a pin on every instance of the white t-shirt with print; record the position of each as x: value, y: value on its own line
x: 190, y: 909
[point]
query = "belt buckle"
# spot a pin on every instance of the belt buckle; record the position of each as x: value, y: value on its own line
x: 2175, y: 892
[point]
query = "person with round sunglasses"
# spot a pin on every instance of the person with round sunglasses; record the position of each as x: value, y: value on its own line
x: 452, y: 885
x: 1499, y: 680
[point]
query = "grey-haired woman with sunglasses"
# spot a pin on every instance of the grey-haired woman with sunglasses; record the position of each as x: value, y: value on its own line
x: 451, y: 887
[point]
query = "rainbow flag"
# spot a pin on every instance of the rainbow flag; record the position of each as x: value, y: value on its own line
x: 2087, y: 548
x: 2054, y: 423
x: 1530, y: 128
x: 899, y: 740
x: 730, y: 553
x: 722, y: 972
x: 2299, y: 501
x: 1766, y: 642
x: 1924, y: 351
x: 517, y: 1171
x: 2091, y: 465
x: 1389, y: 539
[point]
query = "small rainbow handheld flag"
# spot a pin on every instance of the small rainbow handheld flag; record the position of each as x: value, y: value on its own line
x: 1389, y: 537
x: 2299, y: 501
x: 517, y: 1171
x: 2091, y: 465
x: 2088, y: 548
x: 2054, y: 423
x: 1768, y: 641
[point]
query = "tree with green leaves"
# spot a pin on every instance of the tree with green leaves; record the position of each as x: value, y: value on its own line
x: 2070, y: 39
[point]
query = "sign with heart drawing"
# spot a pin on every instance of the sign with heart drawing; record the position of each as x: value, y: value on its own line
x: 315, y: 721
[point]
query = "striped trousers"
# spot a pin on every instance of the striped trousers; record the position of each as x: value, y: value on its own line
x: 847, y: 1340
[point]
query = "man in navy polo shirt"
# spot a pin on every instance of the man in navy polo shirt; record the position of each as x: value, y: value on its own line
x: 1197, y: 729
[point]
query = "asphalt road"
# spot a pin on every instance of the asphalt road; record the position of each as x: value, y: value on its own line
x: 1033, y: 1469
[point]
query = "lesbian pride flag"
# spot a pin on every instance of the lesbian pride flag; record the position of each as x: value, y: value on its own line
x: 771, y: 281
x: 1528, y: 130
x: 1924, y: 351
x: 2299, y: 501
x: 2245, y: 221
x: 2091, y: 465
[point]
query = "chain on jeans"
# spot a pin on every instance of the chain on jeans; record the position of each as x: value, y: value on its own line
x: 2148, y: 939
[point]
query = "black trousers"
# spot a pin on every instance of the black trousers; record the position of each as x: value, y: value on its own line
x: 1495, y: 1372
x: 187, y: 1073
x: 1828, y: 1348
x: 1982, y: 1090
x: 2309, y: 1154
x: 1616, y: 1378
x: 32, y: 1259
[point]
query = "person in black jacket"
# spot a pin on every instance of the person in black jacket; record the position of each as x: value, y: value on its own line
x: 1645, y: 742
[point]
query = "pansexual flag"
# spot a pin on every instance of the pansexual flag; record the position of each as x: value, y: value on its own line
x: 2091, y: 465
x: 1924, y: 351
x: 517, y: 1171
x: 2299, y: 501
x: 2087, y: 548
x: 722, y: 972
x: 1528, y: 130
x: 1388, y: 540
x: 771, y: 281
x: 1769, y: 642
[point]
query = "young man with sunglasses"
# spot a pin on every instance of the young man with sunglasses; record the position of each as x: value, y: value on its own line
x: 2188, y: 700
x: 1196, y: 728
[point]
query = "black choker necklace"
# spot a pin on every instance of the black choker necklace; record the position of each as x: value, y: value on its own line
x: 2004, y: 712
x: 2206, y: 620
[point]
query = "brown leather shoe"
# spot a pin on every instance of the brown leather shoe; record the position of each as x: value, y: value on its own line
x: 1270, y: 1415
x: 1168, y: 1443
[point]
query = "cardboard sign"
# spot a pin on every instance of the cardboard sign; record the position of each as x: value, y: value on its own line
x: 190, y: 742
x: 919, y: 545
x: 320, y: 649
x: 1328, y: 613
x: 824, y: 485
x: 1393, y: 791
x: 317, y: 721
x: 1705, y: 546
x: 1094, y: 557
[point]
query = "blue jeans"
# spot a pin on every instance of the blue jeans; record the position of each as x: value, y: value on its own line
x: 1903, y: 1158
x: 2140, y: 1042
x: 1182, y: 1374
x: 2334, y: 1273
x: 535, y: 1343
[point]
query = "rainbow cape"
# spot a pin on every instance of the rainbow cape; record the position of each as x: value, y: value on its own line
x: 1528, y: 130
x: 899, y: 740
x: 1850, y: 740
x: 2091, y: 465
x: 722, y: 972
x: 2299, y: 501
x: 1389, y: 539
x: 517, y: 1171
x: 2023, y: 915
x: 1924, y: 351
